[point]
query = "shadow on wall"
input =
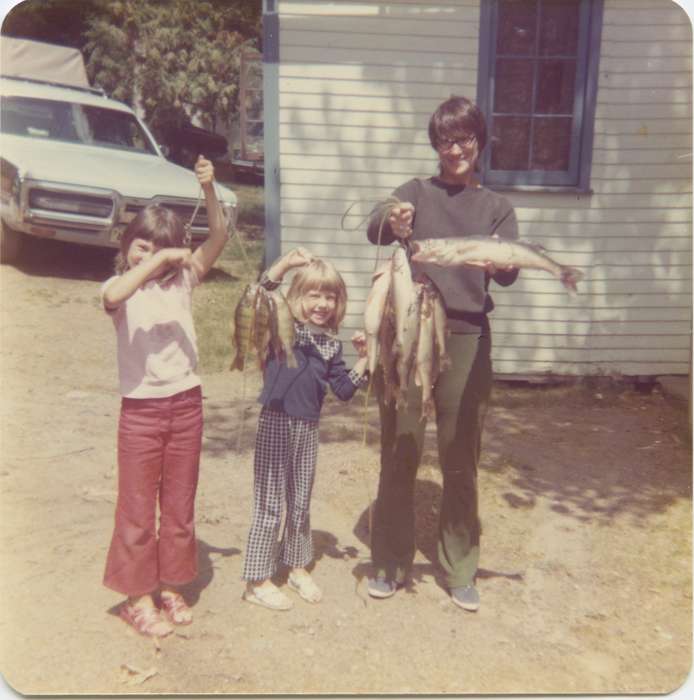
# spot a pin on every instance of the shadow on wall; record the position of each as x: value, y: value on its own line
x: 355, y: 109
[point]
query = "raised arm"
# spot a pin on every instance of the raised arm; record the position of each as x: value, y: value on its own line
x: 208, y: 252
x: 298, y: 257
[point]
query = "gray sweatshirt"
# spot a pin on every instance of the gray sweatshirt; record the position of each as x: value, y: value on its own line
x: 447, y: 211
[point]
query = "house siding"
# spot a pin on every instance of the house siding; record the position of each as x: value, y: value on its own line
x: 357, y: 82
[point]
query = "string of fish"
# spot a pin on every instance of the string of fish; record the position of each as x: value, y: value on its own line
x: 263, y: 321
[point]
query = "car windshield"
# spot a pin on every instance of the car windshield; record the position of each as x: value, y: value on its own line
x: 72, y: 122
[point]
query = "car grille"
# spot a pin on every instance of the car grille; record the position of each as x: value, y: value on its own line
x: 65, y: 209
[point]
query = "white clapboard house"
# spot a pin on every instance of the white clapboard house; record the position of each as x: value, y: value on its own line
x: 589, y: 106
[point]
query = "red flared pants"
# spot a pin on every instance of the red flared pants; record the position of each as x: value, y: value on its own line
x: 159, y: 442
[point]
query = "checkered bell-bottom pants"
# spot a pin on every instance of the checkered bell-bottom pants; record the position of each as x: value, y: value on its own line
x: 286, y: 449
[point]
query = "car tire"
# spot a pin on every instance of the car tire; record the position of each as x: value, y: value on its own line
x: 10, y: 244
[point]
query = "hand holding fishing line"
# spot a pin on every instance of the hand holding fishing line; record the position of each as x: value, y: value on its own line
x: 400, y: 219
x: 204, y: 171
x: 177, y: 257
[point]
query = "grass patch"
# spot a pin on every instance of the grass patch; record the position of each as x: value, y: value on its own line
x: 216, y: 298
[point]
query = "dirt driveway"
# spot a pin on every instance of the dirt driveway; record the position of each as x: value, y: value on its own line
x: 585, y: 573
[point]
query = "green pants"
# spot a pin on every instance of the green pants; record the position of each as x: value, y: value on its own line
x: 461, y: 396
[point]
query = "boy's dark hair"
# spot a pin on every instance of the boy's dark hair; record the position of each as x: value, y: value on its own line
x: 154, y: 223
x: 455, y: 119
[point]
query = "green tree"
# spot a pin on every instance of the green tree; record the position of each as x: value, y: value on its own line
x: 177, y: 58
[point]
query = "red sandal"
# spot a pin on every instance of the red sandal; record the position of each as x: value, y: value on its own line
x: 175, y: 608
x: 145, y: 620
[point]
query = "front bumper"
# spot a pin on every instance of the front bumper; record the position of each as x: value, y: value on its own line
x: 89, y: 215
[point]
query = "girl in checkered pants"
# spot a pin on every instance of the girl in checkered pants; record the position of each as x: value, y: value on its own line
x: 287, y: 438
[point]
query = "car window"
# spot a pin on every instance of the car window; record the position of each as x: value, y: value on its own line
x: 108, y: 127
x: 76, y: 123
x: 38, y: 118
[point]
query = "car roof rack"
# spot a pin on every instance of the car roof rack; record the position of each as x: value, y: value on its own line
x: 90, y: 90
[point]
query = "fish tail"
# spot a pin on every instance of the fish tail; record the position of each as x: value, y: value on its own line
x: 570, y: 276
x: 237, y: 362
x: 427, y: 409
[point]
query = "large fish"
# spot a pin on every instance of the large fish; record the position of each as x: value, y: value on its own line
x: 244, y: 326
x: 471, y: 249
x: 283, y: 328
x: 374, y: 311
x: 407, y: 296
x: 425, y: 361
x: 440, y: 327
x: 386, y: 341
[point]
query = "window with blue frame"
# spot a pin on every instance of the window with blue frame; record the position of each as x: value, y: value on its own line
x: 538, y: 72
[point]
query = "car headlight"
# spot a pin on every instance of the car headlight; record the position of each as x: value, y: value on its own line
x: 68, y: 203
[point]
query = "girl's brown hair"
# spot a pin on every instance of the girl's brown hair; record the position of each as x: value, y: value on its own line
x: 318, y: 275
x: 153, y: 223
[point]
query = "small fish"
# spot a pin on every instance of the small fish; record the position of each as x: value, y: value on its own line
x: 283, y: 328
x: 374, y: 310
x: 440, y: 328
x: 470, y: 249
x: 244, y: 322
x: 262, y: 330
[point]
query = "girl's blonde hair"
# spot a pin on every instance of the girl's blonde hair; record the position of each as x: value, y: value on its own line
x: 318, y: 275
x: 154, y: 223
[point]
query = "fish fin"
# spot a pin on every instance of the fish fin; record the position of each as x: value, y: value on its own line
x: 444, y: 362
x: 237, y: 362
x: 383, y: 268
x: 427, y: 409
x: 570, y: 276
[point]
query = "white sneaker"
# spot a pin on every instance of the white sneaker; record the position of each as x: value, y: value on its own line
x: 305, y: 586
x: 268, y: 597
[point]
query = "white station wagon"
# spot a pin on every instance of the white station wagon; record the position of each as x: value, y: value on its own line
x: 77, y: 166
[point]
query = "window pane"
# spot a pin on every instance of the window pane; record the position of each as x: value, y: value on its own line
x: 49, y: 119
x: 559, y: 23
x: 551, y: 144
x: 555, y: 88
x: 109, y: 127
x: 511, y: 143
x: 517, y: 22
x: 513, y: 90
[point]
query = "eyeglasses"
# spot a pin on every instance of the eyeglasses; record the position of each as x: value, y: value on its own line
x: 462, y: 143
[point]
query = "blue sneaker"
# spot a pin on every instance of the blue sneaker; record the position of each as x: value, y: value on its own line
x: 466, y: 597
x: 381, y: 587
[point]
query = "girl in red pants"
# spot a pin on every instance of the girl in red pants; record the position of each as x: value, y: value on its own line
x: 160, y: 427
